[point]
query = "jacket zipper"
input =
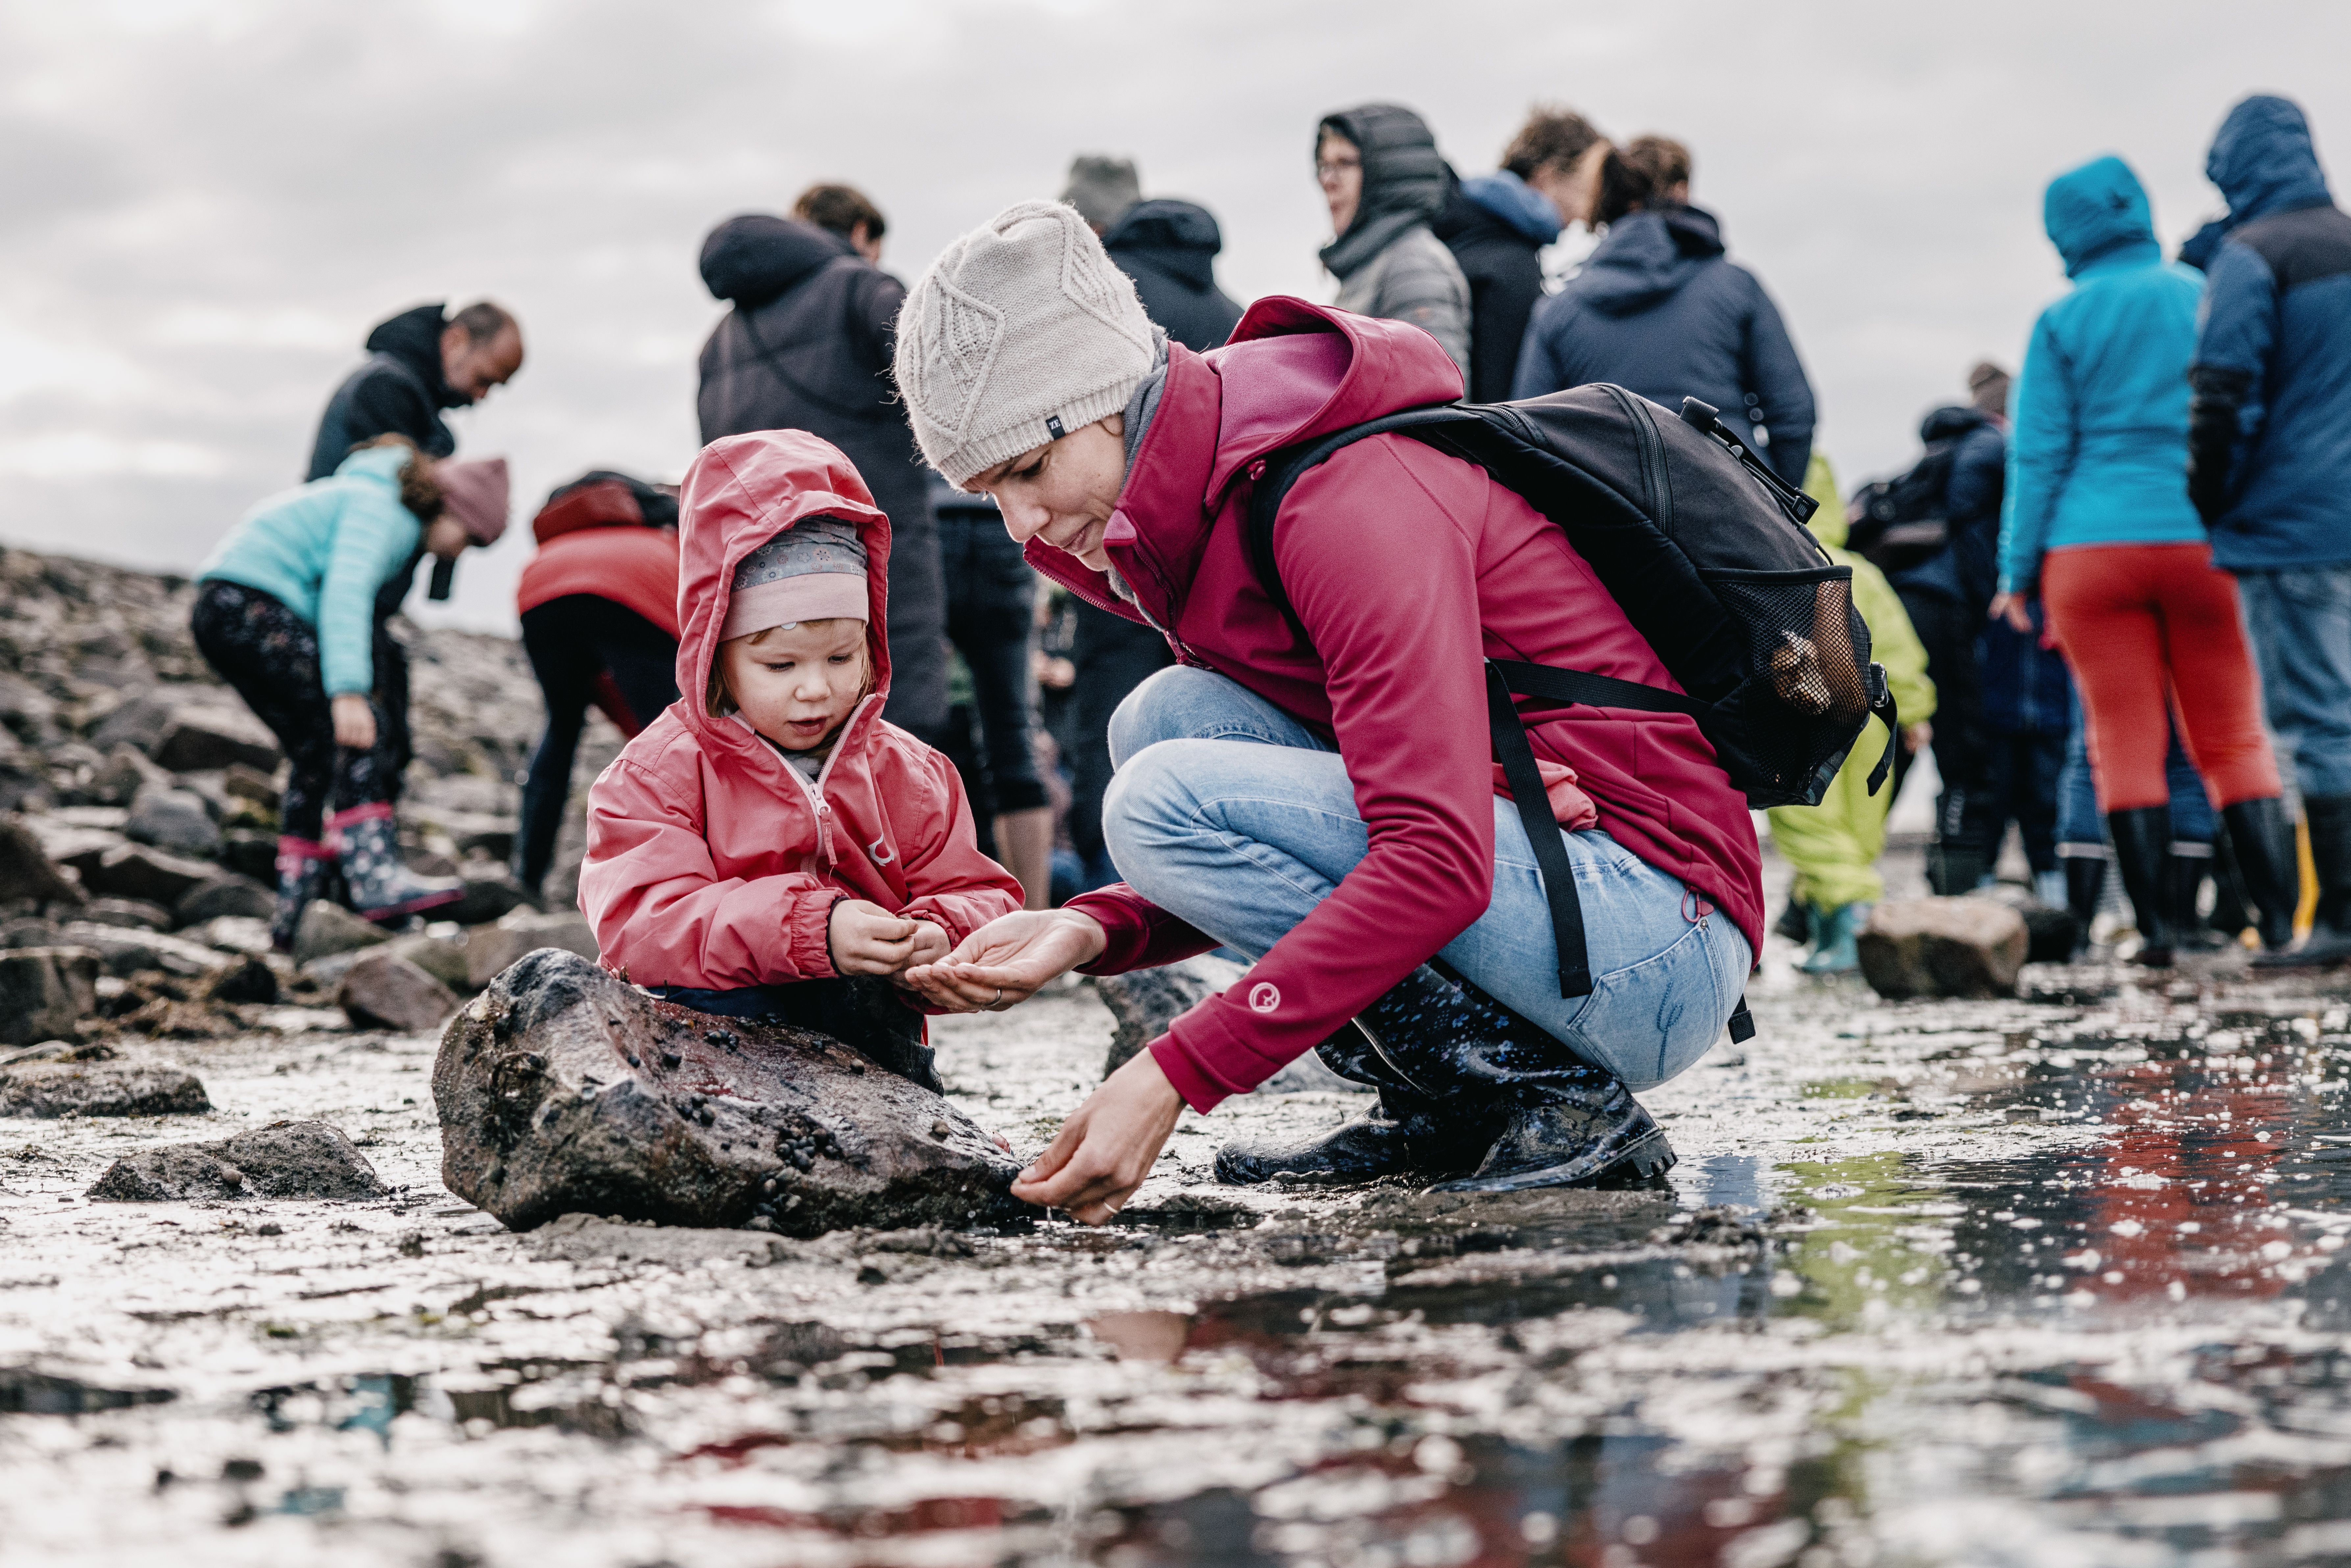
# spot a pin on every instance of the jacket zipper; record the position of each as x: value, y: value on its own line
x: 815, y: 791
x: 1653, y: 457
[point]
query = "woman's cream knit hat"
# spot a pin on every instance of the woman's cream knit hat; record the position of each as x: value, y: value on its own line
x: 1020, y: 332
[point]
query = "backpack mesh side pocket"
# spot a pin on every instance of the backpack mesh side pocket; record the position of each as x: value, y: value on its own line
x: 1810, y: 685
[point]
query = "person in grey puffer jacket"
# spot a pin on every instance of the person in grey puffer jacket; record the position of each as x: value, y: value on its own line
x: 1380, y: 171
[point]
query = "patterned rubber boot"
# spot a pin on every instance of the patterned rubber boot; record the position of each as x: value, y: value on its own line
x: 382, y: 887
x: 1406, y: 1134
x: 304, y: 867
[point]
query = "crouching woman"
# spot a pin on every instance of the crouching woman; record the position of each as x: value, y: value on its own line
x: 289, y: 611
x: 1328, y: 807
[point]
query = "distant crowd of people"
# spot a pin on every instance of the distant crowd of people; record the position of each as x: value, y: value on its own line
x: 944, y: 508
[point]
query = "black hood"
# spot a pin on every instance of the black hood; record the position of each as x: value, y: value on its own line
x: 413, y: 337
x: 1404, y: 180
x: 1177, y: 237
x: 752, y: 259
x: 1950, y: 423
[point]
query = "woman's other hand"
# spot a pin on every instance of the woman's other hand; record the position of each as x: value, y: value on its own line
x: 354, y: 721
x: 2011, y: 608
x: 1107, y: 1146
x: 1009, y: 959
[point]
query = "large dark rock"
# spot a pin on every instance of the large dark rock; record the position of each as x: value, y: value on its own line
x: 45, y: 991
x: 562, y: 1089
x: 283, y: 1160
x: 139, y: 721
x: 25, y: 869
x: 1145, y: 1001
x: 51, y: 1089
x: 491, y: 891
x: 174, y: 819
x: 140, y: 871
x: 1943, y: 948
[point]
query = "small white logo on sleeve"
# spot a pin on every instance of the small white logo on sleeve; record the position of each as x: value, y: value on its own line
x: 1263, y: 998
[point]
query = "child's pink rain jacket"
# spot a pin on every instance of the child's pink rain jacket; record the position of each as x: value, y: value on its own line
x: 712, y: 862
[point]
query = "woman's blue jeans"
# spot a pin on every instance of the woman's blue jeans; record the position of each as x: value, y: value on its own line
x: 1231, y: 814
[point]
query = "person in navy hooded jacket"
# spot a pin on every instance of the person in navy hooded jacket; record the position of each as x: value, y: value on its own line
x: 2270, y: 459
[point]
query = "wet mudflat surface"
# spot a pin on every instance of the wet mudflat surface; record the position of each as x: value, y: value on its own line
x: 2056, y: 1280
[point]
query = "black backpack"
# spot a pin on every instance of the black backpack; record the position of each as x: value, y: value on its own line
x: 1906, y: 521
x: 1703, y: 546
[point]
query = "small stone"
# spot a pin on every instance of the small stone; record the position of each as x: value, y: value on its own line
x: 490, y: 949
x: 491, y: 891
x: 225, y: 895
x: 252, y: 785
x: 234, y: 933
x: 140, y: 871
x: 941, y: 1131
x: 198, y: 739
x: 45, y: 991
x: 135, y: 914
x: 542, y: 1114
x: 384, y: 990
x: 1943, y: 948
x: 176, y: 819
x: 126, y: 773
x: 249, y: 980
x: 438, y: 957
x: 328, y: 928
x: 285, y: 1160
x: 128, y: 951
x: 139, y: 721
x: 28, y: 931
x: 25, y: 869
x: 51, y: 1089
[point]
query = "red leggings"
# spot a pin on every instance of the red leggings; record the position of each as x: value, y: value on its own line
x: 2143, y: 627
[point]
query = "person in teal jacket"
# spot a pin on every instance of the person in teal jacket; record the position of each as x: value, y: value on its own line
x: 2097, y: 523
x: 287, y: 613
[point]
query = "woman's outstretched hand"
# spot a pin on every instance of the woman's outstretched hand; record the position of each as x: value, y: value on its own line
x: 1008, y: 959
x: 1107, y: 1146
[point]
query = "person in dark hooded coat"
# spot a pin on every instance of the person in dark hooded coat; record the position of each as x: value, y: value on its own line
x: 807, y: 347
x: 1660, y: 310
x: 1169, y: 248
x: 419, y: 364
x: 1380, y: 172
x: 2270, y: 459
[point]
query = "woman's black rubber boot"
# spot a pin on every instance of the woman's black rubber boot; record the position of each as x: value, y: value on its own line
x: 2142, y: 842
x: 2086, y: 885
x: 2263, y: 841
x: 1549, y: 1117
x: 2183, y: 876
x: 1406, y: 1134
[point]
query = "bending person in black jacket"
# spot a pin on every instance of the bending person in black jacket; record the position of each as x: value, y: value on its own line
x: 808, y: 347
x: 419, y: 364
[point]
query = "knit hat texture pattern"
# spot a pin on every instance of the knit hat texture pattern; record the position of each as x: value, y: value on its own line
x: 474, y: 494
x: 1020, y: 332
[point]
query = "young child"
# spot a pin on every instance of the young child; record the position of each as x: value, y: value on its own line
x: 770, y: 847
x: 290, y: 609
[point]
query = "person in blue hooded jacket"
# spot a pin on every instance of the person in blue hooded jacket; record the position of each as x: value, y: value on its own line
x: 2270, y: 459
x: 1659, y: 309
x: 2096, y: 522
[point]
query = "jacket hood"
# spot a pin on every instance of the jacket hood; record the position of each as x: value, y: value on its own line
x: 1647, y: 256
x: 413, y: 337
x: 1520, y: 205
x: 1179, y: 238
x: 1950, y: 423
x: 741, y: 492
x: 1404, y: 180
x: 2095, y: 212
x: 2263, y: 161
x: 751, y: 259
x: 1292, y: 371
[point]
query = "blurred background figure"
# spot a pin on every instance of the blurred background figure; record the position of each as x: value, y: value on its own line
x: 807, y: 347
x: 1833, y: 847
x: 2270, y: 460
x: 419, y: 364
x: 1660, y: 308
x: 2098, y: 522
x: 599, y: 608
x: 1384, y: 182
x: 1496, y: 227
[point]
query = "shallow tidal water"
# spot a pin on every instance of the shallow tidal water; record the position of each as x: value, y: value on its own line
x: 2056, y: 1281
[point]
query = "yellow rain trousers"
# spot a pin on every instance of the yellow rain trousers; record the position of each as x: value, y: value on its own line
x: 1834, y: 846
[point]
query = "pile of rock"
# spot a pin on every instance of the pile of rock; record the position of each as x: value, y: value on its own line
x: 137, y: 852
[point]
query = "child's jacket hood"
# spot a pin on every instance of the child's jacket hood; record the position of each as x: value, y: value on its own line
x: 743, y: 491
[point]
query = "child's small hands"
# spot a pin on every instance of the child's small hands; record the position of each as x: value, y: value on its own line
x: 931, y: 943
x: 867, y: 939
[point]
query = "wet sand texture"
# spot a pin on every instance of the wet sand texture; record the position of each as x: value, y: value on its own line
x: 562, y: 1089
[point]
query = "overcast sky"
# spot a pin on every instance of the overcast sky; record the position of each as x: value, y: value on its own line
x: 205, y: 204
